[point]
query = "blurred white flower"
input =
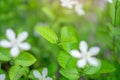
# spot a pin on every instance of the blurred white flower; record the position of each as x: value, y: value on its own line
x: 110, y: 1
x: 68, y: 3
x: 79, y: 9
x: 85, y: 56
x: 42, y: 76
x: 16, y: 44
x: 73, y: 4
x: 2, y: 76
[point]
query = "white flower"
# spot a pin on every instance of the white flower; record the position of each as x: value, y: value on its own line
x: 68, y: 3
x: 85, y: 56
x: 79, y: 9
x: 2, y: 76
x: 110, y: 1
x: 42, y: 76
x: 73, y: 3
x: 15, y: 43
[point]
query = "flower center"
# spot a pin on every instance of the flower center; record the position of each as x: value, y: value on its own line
x: 85, y: 55
x: 15, y: 43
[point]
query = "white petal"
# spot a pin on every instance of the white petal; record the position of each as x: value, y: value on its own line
x: 37, y: 74
x: 110, y: 1
x: 22, y: 36
x: 14, y: 52
x: 44, y: 72
x: 79, y: 9
x: 10, y: 34
x: 93, y: 51
x: 24, y: 46
x: 48, y: 78
x: 2, y: 76
x: 93, y: 61
x: 83, y: 46
x: 81, y: 63
x: 75, y: 53
x: 80, y: 12
x: 5, y: 44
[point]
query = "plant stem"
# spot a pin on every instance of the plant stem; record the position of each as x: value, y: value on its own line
x: 0, y: 65
x: 114, y: 39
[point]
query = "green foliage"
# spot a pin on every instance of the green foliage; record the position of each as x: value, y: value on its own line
x: 106, y: 67
x: 68, y: 38
x: 25, y: 59
x: 16, y: 72
x: 66, y: 61
x: 114, y: 31
x: 70, y: 73
x: 68, y: 34
x: 89, y: 70
x: 48, y: 34
x: 48, y: 12
x: 4, y: 55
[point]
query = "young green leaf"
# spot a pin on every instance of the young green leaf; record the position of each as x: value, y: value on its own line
x: 62, y: 78
x: 70, y: 73
x: 89, y: 70
x: 112, y: 12
x: 48, y: 12
x: 48, y: 34
x: 4, y: 55
x: 106, y: 67
x: 16, y: 72
x: 25, y: 59
x: 66, y: 61
x: 110, y: 26
x: 68, y: 34
x: 114, y: 31
x: 69, y: 38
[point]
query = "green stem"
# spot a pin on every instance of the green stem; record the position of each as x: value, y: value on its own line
x: 114, y: 39
x: 0, y: 65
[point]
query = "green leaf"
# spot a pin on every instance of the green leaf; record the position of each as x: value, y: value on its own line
x: 106, y: 67
x: 89, y: 70
x: 4, y: 55
x: 68, y: 34
x: 62, y: 78
x: 66, y: 61
x: 48, y: 12
x: 16, y: 72
x: 112, y: 12
x: 114, y: 31
x: 48, y: 34
x: 69, y: 38
x: 110, y: 26
x: 25, y: 59
x: 70, y: 73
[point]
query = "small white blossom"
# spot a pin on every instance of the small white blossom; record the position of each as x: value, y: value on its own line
x: 42, y: 76
x: 2, y: 76
x: 110, y: 1
x: 79, y: 9
x: 68, y: 3
x: 73, y: 4
x: 16, y: 44
x: 85, y: 56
